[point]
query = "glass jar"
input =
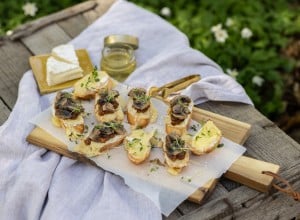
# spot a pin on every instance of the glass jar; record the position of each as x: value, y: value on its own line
x: 118, y: 58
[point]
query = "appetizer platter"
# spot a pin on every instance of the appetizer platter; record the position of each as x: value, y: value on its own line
x: 133, y: 133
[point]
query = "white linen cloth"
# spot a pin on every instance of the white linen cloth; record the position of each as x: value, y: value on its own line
x: 39, y: 184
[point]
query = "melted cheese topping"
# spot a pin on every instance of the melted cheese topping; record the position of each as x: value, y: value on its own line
x: 207, y: 138
x: 138, y: 144
x: 87, y: 85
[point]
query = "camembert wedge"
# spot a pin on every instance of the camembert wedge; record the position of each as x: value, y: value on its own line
x: 62, y: 65
x: 207, y: 139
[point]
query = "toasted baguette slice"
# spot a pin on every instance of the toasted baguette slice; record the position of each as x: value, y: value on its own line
x: 138, y: 145
x: 181, y: 128
x: 207, y: 139
x: 175, y: 166
x: 74, y: 128
x: 118, y: 115
x: 96, y: 148
x: 89, y: 85
x: 140, y: 119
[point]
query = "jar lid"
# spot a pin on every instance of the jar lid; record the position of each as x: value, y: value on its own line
x: 122, y: 39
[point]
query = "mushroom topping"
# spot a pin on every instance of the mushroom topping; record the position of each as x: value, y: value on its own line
x: 175, y: 147
x: 107, y: 101
x: 179, y: 109
x: 141, y: 101
x: 105, y: 131
x: 66, y: 107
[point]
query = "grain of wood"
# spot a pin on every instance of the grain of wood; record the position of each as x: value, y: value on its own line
x: 14, y: 62
x: 41, y: 42
x: 4, y: 112
x: 174, y: 215
x: 245, y: 203
x: 73, y: 26
x: 187, y: 206
x: 101, y: 8
x: 31, y: 27
x: 277, y: 205
x: 266, y: 141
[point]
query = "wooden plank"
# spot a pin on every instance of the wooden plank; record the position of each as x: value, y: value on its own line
x: 43, y: 41
x: 234, y: 130
x: 102, y: 7
x: 218, y: 192
x: 244, y: 203
x: 14, y: 62
x: 31, y: 27
x: 74, y: 25
x: 4, y: 112
x: 251, y: 175
x: 266, y: 141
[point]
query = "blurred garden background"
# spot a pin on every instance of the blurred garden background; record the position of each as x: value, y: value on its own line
x: 255, y: 42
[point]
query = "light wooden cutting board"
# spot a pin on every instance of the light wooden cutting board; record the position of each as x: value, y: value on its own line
x: 245, y: 170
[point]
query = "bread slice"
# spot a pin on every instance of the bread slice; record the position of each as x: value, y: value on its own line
x: 104, y: 136
x: 89, y: 85
x: 175, y: 166
x: 97, y: 148
x: 138, y: 145
x: 180, y: 128
x: 207, y: 139
x: 74, y: 128
x: 58, y: 71
x: 140, y: 119
x: 118, y: 115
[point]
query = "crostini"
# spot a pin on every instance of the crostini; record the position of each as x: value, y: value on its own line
x: 138, y: 145
x: 140, y: 110
x: 68, y: 114
x: 176, y: 153
x: 107, y: 106
x: 179, y: 115
x: 104, y: 136
x: 207, y: 139
x: 87, y: 87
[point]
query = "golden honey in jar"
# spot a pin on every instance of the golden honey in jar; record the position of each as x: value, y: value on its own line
x: 118, y: 58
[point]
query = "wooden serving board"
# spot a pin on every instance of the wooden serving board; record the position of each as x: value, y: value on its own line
x: 236, y: 131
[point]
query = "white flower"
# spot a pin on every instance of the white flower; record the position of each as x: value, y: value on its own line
x: 232, y: 72
x: 9, y: 32
x: 221, y: 35
x: 30, y: 9
x: 165, y: 11
x: 257, y: 80
x: 229, y: 22
x: 246, y: 33
x: 216, y: 28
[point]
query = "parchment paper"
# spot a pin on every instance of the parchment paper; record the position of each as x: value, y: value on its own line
x: 153, y: 180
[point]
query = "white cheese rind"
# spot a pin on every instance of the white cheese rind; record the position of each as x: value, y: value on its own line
x: 59, y: 72
x: 66, y: 53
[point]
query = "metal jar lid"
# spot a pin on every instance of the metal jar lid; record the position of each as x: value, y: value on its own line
x: 122, y: 39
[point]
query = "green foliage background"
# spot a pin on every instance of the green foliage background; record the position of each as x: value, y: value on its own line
x: 273, y: 23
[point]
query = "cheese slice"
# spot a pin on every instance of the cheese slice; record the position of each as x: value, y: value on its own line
x: 65, y: 53
x: 59, y: 71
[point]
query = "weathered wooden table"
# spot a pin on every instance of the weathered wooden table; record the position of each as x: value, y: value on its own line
x: 229, y: 200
